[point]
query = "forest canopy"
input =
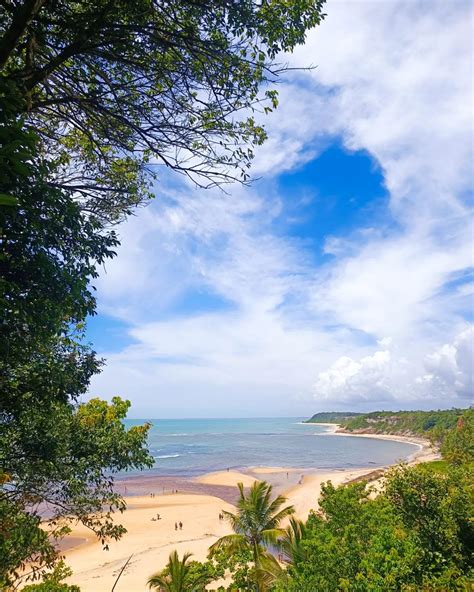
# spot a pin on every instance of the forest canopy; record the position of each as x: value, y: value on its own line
x: 117, y: 89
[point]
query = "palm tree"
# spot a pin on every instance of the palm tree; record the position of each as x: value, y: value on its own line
x: 290, y: 543
x: 256, y: 524
x: 178, y: 576
x: 270, y: 571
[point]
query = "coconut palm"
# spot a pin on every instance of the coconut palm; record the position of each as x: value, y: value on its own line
x: 269, y: 570
x: 256, y: 524
x: 290, y: 543
x: 178, y: 576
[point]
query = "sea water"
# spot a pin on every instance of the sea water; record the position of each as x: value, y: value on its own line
x: 188, y: 447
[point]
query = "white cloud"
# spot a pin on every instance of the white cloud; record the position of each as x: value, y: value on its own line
x: 450, y: 368
x: 388, y: 377
x: 348, y: 380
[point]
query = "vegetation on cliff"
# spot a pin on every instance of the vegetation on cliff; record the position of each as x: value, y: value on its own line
x: 427, y: 424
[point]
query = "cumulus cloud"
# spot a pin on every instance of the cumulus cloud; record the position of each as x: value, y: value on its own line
x: 450, y: 368
x: 348, y: 380
x: 387, y: 376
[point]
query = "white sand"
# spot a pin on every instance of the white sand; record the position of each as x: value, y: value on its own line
x: 229, y: 478
x: 151, y: 542
x: 95, y: 569
x: 425, y: 453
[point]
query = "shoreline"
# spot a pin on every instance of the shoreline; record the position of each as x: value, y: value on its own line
x: 426, y: 452
x: 149, y: 541
x: 197, y: 504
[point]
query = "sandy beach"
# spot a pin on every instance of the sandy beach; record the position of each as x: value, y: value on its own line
x: 149, y: 541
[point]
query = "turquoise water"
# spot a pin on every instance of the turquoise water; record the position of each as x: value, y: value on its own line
x: 188, y: 447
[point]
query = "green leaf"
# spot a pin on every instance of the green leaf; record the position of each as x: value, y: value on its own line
x: 8, y: 200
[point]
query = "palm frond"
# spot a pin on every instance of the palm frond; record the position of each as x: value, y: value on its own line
x: 175, y: 576
x: 271, y: 536
x: 290, y: 543
x: 269, y: 572
x: 232, y: 543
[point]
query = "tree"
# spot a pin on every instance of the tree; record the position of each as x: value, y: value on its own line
x: 439, y: 509
x: 353, y: 543
x: 458, y: 443
x: 291, y: 543
x: 115, y: 89
x: 78, y: 450
x: 50, y: 250
x: 53, y: 582
x: 256, y: 524
x: 416, y: 536
x: 180, y: 575
x: 52, y: 451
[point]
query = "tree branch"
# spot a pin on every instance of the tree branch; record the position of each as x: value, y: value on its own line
x: 22, y: 17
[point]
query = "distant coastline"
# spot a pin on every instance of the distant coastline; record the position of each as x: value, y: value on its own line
x: 414, y: 425
x: 198, y: 500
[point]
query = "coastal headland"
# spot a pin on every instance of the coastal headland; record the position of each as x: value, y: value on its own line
x: 157, y: 505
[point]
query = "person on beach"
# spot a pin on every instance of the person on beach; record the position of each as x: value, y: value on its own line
x: 176, y: 526
x: 180, y: 526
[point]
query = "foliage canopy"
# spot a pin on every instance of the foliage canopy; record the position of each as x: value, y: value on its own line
x: 115, y: 89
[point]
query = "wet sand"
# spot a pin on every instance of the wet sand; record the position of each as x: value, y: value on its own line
x: 197, y: 505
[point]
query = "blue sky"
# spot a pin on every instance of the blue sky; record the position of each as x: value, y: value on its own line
x: 334, y: 194
x: 342, y: 277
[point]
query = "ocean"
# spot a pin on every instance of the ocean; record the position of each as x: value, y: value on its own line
x: 189, y: 447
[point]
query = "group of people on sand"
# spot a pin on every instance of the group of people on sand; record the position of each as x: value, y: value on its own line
x: 177, y: 525
x: 172, y: 491
x: 221, y: 516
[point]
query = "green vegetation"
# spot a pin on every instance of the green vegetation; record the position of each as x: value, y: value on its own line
x: 256, y: 526
x: 457, y: 445
x: 53, y: 582
x: 181, y: 575
x: 52, y: 451
x: 398, y: 541
x: 428, y: 424
x: 331, y: 417
x: 436, y: 466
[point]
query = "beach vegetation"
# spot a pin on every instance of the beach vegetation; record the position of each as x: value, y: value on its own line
x: 332, y: 416
x: 417, y: 535
x: 457, y: 444
x: 182, y: 575
x: 53, y: 581
x: 256, y: 526
x: 236, y: 567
